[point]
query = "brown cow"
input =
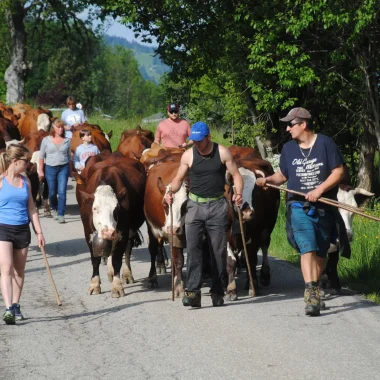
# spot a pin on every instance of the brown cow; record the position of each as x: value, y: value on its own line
x: 156, y: 154
x: 134, y: 146
x: 111, y: 208
x: 258, y: 230
x: 137, y: 131
x: 243, y: 152
x: 159, y: 223
x: 8, y: 131
x: 32, y: 120
x: 7, y: 113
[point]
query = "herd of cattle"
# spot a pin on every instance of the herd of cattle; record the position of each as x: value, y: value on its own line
x: 117, y: 192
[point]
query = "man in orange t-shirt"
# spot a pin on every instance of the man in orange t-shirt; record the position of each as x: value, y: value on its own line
x: 173, y: 131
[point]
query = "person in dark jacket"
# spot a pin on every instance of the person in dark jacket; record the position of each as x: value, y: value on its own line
x: 207, y: 210
x: 311, y: 163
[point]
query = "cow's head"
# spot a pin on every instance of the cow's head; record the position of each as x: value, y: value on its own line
x: 105, y: 210
x: 249, y: 180
x: 352, y: 197
x: 43, y: 122
x: 178, y: 208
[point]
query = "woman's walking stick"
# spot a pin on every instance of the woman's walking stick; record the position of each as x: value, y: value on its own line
x: 50, y: 276
x: 245, y: 248
x: 171, y: 247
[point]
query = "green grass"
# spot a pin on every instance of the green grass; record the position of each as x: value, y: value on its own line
x: 118, y: 126
x: 362, y: 271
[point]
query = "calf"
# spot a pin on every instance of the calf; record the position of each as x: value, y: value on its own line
x: 111, y: 203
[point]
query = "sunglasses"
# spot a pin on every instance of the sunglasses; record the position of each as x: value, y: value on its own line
x: 26, y: 160
x: 172, y: 112
x: 291, y: 125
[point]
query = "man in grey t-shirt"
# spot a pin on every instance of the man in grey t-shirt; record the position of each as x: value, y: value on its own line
x: 72, y: 116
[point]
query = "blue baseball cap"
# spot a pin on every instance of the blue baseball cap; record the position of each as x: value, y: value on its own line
x: 199, y: 131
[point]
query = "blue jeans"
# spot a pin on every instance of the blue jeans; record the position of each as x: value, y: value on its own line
x: 56, y: 177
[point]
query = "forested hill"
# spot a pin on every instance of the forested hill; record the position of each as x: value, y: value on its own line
x: 150, y: 66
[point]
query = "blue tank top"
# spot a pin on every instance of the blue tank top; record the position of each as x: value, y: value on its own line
x: 14, y: 203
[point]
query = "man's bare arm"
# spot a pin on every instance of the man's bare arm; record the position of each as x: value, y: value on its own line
x: 275, y: 179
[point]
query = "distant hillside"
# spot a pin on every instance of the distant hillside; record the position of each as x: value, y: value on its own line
x: 150, y: 66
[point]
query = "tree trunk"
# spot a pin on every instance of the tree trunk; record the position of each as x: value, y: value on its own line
x: 366, y: 161
x: 15, y: 74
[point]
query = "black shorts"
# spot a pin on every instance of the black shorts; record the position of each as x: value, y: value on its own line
x: 18, y: 235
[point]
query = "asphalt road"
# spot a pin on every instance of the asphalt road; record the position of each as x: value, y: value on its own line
x: 145, y: 335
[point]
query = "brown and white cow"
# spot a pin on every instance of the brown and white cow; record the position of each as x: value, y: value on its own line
x: 258, y: 226
x: 32, y: 120
x: 159, y: 222
x: 111, y: 203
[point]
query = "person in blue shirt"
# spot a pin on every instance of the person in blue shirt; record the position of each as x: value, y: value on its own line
x: 85, y: 150
x: 17, y: 209
x: 72, y: 117
x: 311, y: 163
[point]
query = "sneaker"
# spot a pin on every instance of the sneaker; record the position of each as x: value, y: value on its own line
x: 217, y: 299
x: 55, y: 214
x: 9, y: 316
x: 313, y: 301
x: 61, y: 219
x: 192, y: 299
x: 17, y: 311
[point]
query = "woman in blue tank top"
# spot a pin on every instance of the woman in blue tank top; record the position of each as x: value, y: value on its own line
x: 17, y: 209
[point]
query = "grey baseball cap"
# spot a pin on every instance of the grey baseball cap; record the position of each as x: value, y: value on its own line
x: 300, y: 112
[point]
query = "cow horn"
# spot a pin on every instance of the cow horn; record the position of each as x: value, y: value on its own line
x: 359, y: 190
x: 260, y: 172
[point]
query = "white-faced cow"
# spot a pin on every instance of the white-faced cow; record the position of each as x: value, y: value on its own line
x: 111, y: 200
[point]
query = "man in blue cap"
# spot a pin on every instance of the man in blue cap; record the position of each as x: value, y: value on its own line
x: 207, y: 210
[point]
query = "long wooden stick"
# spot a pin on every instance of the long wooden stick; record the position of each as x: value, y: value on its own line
x: 245, y: 248
x: 171, y: 247
x: 330, y: 202
x: 51, y: 276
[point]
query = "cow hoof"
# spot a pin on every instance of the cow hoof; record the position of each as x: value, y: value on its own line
x: 128, y: 279
x: 179, y: 289
x: 161, y: 268
x: 265, y: 276
x: 117, y: 288
x: 231, y: 295
x: 94, y: 288
x: 153, y: 283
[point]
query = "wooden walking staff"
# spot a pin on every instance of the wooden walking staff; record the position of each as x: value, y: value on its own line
x: 171, y: 247
x: 245, y: 248
x: 50, y: 276
x: 330, y: 202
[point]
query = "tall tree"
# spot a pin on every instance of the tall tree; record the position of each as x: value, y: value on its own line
x: 17, y: 12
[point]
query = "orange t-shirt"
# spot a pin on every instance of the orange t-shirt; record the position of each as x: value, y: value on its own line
x: 172, y: 133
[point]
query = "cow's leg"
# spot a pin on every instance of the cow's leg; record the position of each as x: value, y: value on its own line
x: 231, y: 294
x: 332, y: 272
x: 166, y: 258
x: 161, y: 267
x: 127, y: 271
x: 252, y: 249
x: 45, y: 197
x: 110, y: 272
x: 265, y: 269
x: 178, y: 260
x: 153, y: 248
x: 117, y: 259
x: 95, y: 280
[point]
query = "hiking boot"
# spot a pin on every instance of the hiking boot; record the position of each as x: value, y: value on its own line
x: 9, y: 316
x: 17, y: 311
x: 55, y: 214
x: 192, y: 299
x: 61, y: 219
x: 217, y: 299
x: 313, y: 303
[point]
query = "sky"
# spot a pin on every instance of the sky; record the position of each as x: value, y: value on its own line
x: 119, y: 30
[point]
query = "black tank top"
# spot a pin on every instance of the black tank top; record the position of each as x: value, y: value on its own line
x: 207, y: 174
